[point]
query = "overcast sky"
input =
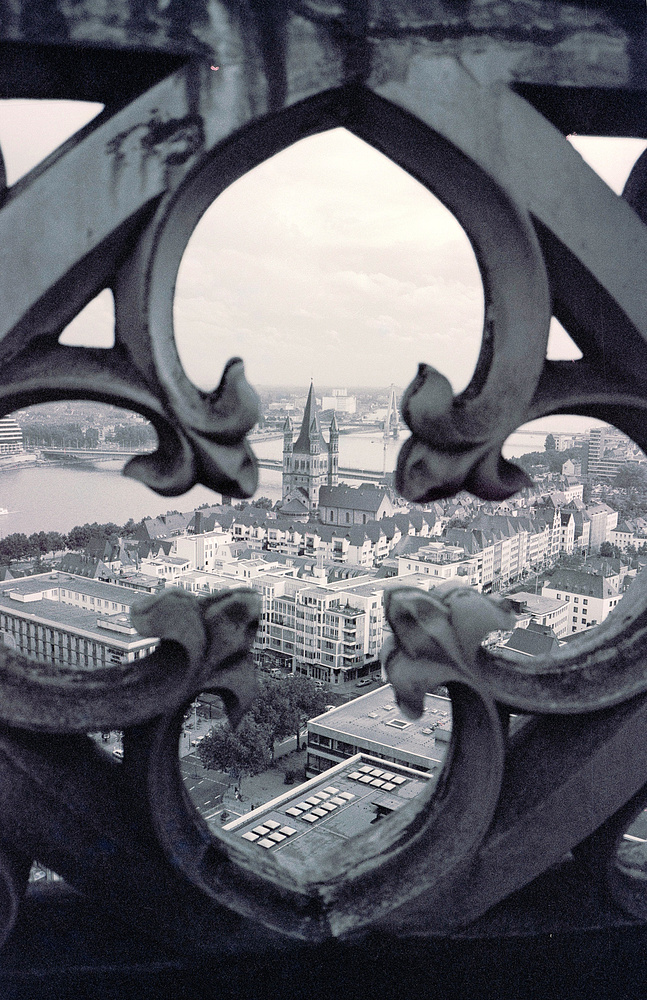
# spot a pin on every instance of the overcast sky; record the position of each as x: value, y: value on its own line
x: 326, y: 261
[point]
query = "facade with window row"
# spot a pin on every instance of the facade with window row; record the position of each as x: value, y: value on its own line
x: 70, y: 621
x: 590, y: 596
x: 374, y: 724
x: 327, y: 631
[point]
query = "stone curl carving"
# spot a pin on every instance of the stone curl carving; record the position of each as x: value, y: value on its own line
x: 115, y: 209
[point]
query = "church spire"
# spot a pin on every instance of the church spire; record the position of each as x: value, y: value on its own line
x: 309, y: 439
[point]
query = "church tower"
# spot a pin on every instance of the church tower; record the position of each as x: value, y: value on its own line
x: 333, y: 453
x: 288, y: 436
x: 305, y: 463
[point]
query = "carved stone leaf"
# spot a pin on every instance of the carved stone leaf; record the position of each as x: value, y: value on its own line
x: 436, y: 638
x: 217, y: 634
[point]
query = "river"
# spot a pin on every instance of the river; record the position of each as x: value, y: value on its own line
x: 55, y: 498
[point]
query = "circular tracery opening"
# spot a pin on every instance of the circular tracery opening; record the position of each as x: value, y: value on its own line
x: 300, y: 802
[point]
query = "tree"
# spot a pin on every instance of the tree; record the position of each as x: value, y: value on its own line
x: 305, y: 700
x: 55, y: 541
x: 550, y: 444
x: 38, y: 543
x: 631, y: 477
x: 245, y: 750
x: 15, y: 546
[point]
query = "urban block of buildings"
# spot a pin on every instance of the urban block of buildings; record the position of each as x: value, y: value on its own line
x: 70, y: 621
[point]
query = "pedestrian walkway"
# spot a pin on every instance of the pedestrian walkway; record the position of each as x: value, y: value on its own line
x: 259, y: 788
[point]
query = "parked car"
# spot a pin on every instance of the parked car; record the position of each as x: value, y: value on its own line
x: 118, y: 753
x: 105, y: 737
x: 365, y: 681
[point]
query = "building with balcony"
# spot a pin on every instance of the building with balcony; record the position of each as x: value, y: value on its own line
x: 11, y: 440
x: 443, y: 562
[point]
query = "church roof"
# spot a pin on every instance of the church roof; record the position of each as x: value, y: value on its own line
x: 310, y: 431
x: 362, y: 498
x: 295, y: 506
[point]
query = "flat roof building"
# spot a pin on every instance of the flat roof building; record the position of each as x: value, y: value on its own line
x: 69, y: 620
x: 374, y: 724
x: 543, y: 610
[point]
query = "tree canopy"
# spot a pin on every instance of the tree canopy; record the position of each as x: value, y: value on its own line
x: 281, y: 709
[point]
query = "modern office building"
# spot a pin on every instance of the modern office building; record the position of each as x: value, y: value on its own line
x: 375, y: 725
x: 69, y: 620
x: 318, y: 817
x: 10, y: 436
x: 340, y: 401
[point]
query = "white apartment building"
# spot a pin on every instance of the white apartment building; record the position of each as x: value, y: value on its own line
x: 443, y: 562
x: 543, y: 610
x: 590, y: 596
x: 201, y: 550
x: 169, y: 568
x: 327, y: 631
x: 623, y: 535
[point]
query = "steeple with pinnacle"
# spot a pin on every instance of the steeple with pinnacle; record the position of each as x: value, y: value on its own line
x: 333, y: 453
x: 306, y: 462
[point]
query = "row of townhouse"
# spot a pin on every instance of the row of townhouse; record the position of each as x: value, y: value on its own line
x: 364, y: 545
x: 492, y: 551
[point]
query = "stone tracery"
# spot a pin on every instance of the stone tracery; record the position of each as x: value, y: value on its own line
x: 116, y: 209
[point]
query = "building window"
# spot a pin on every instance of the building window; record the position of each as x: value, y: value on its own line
x: 347, y: 517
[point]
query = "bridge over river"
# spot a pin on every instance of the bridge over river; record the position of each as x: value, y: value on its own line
x: 110, y: 454
x: 93, y: 454
x: 363, y: 475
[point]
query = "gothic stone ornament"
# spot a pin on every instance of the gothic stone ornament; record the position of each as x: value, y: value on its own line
x: 205, y: 643
x: 595, y: 263
x: 115, y: 209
